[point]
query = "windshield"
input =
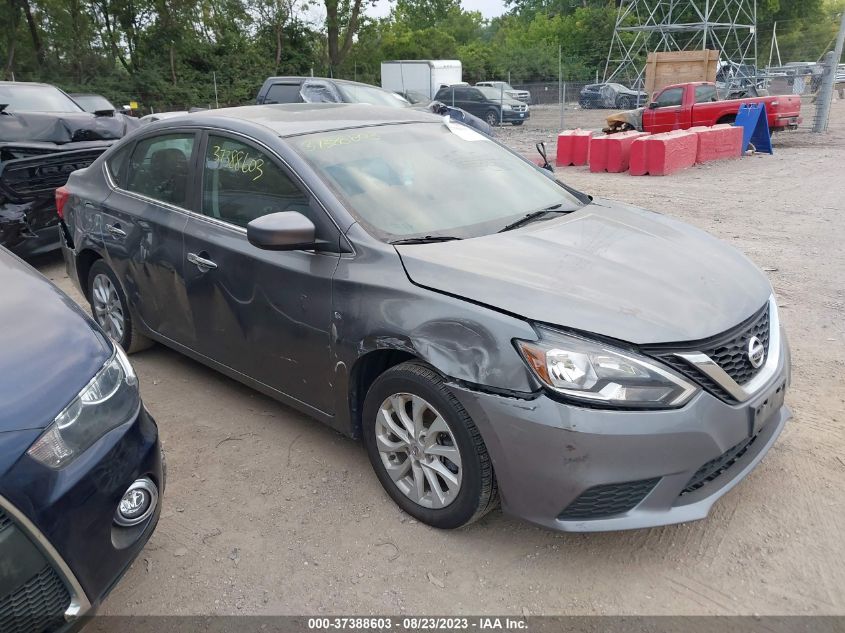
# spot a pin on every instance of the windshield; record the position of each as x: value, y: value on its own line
x: 93, y: 103
x: 33, y: 98
x: 372, y: 95
x: 424, y: 179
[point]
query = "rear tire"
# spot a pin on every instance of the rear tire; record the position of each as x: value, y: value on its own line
x: 439, y: 469
x: 729, y: 119
x: 111, y: 310
x: 625, y: 103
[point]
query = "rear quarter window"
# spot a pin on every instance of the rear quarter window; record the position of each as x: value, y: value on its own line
x: 116, y: 164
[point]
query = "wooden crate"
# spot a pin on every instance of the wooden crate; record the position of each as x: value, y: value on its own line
x: 664, y: 69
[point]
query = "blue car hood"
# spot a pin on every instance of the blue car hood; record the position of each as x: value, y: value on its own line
x: 608, y: 268
x: 49, y: 348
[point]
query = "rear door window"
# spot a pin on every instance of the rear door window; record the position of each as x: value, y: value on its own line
x: 160, y: 167
x: 705, y: 94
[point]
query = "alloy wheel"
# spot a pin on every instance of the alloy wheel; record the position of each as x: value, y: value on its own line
x: 418, y: 450
x: 107, y: 308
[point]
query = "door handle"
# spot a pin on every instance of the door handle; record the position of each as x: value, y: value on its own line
x: 116, y: 231
x: 201, y: 262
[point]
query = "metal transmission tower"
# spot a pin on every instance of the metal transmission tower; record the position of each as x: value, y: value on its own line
x: 647, y: 26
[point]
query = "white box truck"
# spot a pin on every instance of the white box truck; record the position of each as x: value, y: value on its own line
x: 420, y: 75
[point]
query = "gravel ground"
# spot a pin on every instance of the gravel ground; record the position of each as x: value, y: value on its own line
x: 267, y: 512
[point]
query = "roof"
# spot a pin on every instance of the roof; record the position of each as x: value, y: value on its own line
x: 24, y: 83
x: 305, y: 118
x: 434, y: 63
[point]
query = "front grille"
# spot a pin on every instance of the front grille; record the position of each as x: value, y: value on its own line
x: 715, y: 467
x: 520, y: 107
x: 608, y: 500
x: 732, y: 356
x: 729, y: 350
x: 37, y: 606
x: 23, y: 179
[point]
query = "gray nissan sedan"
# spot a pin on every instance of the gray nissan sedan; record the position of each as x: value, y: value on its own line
x: 488, y: 331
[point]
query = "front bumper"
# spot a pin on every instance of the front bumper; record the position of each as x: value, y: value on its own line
x: 576, y: 469
x: 509, y: 116
x: 63, y: 524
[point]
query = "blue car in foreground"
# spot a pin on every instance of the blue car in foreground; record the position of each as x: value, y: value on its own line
x: 81, y: 470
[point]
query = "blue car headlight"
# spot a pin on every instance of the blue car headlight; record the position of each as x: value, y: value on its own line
x: 109, y: 400
x: 597, y: 373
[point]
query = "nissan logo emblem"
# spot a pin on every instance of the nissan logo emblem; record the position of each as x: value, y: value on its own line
x: 756, y: 352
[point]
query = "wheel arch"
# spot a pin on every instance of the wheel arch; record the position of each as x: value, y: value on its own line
x: 364, y: 372
x: 84, y: 260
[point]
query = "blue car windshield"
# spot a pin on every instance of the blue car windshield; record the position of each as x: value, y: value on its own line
x: 423, y: 179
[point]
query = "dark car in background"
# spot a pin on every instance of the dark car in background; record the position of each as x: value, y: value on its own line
x: 486, y: 103
x: 322, y: 90
x: 44, y: 136
x: 484, y: 328
x: 611, y: 95
x: 80, y: 463
x: 510, y: 91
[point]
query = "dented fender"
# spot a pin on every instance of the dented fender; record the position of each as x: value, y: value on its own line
x: 465, y: 342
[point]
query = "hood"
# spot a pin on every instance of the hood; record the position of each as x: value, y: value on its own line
x: 64, y: 127
x: 608, y: 269
x: 51, y: 349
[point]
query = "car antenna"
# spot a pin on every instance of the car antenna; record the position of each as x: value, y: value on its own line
x: 541, y: 149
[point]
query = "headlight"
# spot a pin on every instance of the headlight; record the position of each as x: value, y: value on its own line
x: 507, y: 106
x: 601, y: 374
x: 109, y: 400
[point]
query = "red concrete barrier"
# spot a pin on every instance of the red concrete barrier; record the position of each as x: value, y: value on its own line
x: 611, y: 152
x: 718, y: 142
x: 663, y: 154
x: 573, y: 147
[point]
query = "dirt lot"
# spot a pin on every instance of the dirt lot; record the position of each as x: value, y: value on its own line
x: 267, y: 512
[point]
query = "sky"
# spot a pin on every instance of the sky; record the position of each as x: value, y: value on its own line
x: 488, y: 8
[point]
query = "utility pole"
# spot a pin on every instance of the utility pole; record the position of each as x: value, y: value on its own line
x: 826, y: 92
x: 560, y: 82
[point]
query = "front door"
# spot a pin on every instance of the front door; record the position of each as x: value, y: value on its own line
x: 668, y: 113
x: 142, y: 223
x: 265, y: 314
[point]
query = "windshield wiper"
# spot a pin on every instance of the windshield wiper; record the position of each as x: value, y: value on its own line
x: 531, y: 216
x: 428, y: 239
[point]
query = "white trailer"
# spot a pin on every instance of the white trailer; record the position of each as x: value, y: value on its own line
x: 420, y: 75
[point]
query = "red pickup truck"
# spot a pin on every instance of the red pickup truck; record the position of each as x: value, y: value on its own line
x: 684, y: 106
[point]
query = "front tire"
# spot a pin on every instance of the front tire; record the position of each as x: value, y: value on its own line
x: 111, y: 310
x: 426, y: 450
x: 517, y: 123
x: 492, y: 118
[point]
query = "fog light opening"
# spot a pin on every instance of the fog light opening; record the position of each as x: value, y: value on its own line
x: 137, y: 504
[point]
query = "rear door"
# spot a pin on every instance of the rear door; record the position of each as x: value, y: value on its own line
x: 142, y: 223
x: 265, y: 314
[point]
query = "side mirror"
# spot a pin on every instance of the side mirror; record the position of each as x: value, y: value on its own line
x: 652, y: 105
x: 283, y: 231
